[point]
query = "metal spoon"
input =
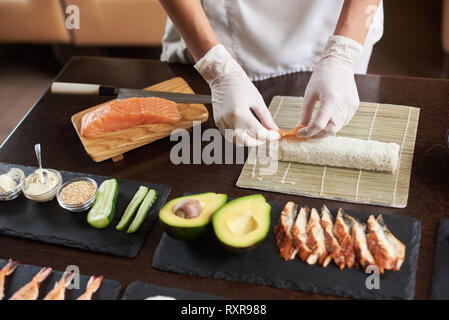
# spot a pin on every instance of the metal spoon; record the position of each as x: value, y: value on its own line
x: 37, y: 149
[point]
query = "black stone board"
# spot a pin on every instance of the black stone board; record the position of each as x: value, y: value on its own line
x: 109, y: 289
x: 48, y: 222
x: 141, y: 290
x: 205, y: 257
x: 440, y: 276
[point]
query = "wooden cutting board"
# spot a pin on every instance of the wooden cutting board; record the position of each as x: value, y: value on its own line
x: 113, y: 145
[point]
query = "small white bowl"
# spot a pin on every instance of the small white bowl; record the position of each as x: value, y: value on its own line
x: 46, y: 196
x: 11, y: 195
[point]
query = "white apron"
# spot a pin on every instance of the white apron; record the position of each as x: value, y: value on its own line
x: 270, y: 38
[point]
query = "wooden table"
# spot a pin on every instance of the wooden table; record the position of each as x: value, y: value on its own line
x: 49, y: 123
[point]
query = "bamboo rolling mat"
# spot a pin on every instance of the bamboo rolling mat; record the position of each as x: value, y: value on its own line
x: 372, y: 121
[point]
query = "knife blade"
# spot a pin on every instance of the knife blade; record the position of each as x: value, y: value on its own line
x: 124, y: 93
x: 173, y: 96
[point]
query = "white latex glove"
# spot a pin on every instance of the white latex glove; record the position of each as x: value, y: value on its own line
x: 332, y: 83
x: 233, y: 98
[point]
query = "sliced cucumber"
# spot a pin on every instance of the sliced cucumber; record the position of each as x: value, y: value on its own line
x: 102, y: 212
x: 132, y: 208
x: 143, y: 211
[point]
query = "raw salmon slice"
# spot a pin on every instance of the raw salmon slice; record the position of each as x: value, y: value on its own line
x: 289, y: 133
x: 127, y: 113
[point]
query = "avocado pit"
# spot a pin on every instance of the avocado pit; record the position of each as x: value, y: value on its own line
x: 188, y: 209
x: 241, y: 225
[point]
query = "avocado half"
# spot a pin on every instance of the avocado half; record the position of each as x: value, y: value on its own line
x: 188, y: 229
x: 242, y: 224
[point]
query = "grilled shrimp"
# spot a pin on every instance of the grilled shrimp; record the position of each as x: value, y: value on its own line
x: 58, y: 292
x: 8, y: 269
x: 92, y: 286
x: 31, y: 290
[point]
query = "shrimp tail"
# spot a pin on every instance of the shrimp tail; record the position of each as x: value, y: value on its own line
x: 94, y: 283
x: 58, y: 292
x: 65, y: 280
x: 92, y: 286
x: 10, y: 267
x: 42, y: 275
x: 68, y: 278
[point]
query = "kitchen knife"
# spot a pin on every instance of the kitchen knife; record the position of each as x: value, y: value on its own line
x: 124, y: 93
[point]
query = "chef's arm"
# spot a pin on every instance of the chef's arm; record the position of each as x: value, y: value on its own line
x: 189, y: 18
x: 234, y: 96
x: 332, y: 82
x: 355, y: 19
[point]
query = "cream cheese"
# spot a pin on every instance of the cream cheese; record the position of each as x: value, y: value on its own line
x: 10, y: 180
x: 40, y: 182
x: 7, y: 184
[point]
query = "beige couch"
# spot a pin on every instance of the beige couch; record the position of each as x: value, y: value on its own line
x: 102, y: 22
x: 33, y: 21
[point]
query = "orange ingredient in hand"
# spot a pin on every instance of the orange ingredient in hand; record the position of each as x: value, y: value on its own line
x: 288, y: 133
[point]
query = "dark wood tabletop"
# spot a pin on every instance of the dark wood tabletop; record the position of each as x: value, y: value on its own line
x: 49, y: 124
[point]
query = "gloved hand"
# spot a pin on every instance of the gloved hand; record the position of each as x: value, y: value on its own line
x: 233, y: 98
x: 332, y: 83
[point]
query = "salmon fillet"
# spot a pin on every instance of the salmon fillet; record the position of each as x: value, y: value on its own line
x: 290, y: 133
x: 122, y: 114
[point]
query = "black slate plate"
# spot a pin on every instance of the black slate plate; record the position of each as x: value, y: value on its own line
x: 440, y: 275
x: 263, y: 266
x: 48, y: 222
x: 141, y: 290
x: 109, y: 289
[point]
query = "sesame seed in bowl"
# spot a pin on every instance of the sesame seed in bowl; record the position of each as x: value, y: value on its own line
x: 77, y: 194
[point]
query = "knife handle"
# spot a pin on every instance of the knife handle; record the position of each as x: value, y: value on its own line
x: 82, y: 88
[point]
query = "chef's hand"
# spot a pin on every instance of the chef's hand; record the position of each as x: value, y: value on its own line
x: 233, y: 98
x: 332, y: 83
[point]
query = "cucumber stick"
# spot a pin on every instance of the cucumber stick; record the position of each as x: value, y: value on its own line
x: 143, y: 211
x: 132, y: 208
x: 102, y: 212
